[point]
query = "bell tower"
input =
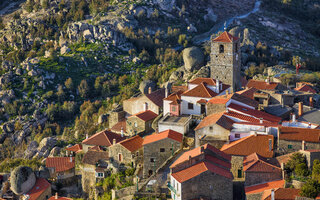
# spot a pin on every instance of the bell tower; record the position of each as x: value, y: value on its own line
x: 225, y: 60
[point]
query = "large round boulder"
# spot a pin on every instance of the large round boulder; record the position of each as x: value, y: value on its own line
x: 22, y: 180
x: 145, y: 85
x: 193, y: 58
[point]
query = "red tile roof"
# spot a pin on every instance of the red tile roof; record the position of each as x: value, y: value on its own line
x: 250, y: 144
x: 254, y: 113
x: 256, y: 163
x: 197, y: 169
x: 262, y: 85
x: 197, y: 151
x: 281, y: 194
x: 241, y: 117
x: 60, y: 164
x: 265, y: 186
x: 174, y: 97
x: 93, y: 156
x: 163, y: 135
x: 299, y: 134
x: 200, y: 91
x: 223, y: 99
x: 145, y: 115
x: 208, y: 81
x: 103, y: 138
x: 182, y: 88
x: 157, y: 97
x: 117, y: 127
x: 306, y: 88
x: 38, y: 189
x: 132, y: 144
x: 264, y: 123
x: 225, y: 37
x: 216, y: 118
x: 75, y: 148
x: 202, y: 101
x: 249, y: 92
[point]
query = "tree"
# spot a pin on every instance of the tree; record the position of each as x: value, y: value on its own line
x: 83, y: 89
x: 310, y: 189
x: 316, y: 170
x: 69, y: 84
x: 301, y: 169
x: 1, y: 23
x: 60, y: 93
x: 295, y: 159
x: 144, y: 55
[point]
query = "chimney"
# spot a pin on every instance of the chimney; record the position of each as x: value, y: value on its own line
x: 272, y: 194
x: 149, y: 90
x: 309, y: 125
x: 268, y: 80
x: 56, y: 196
x: 166, y: 92
x: 121, y: 131
x: 145, y: 106
x: 87, y: 136
x: 71, y: 159
x: 300, y: 113
x: 311, y: 102
x: 303, y: 145
x: 294, y: 118
x: 217, y: 86
x: 282, y: 168
x: 261, y: 120
x: 114, y: 141
x: 270, y: 145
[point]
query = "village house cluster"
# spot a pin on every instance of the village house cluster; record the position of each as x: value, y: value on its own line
x: 210, y: 138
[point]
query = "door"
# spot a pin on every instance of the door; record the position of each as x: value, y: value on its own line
x: 203, y: 109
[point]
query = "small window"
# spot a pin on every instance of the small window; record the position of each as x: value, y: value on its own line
x: 137, y: 154
x: 174, y: 109
x: 239, y: 173
x: 99, y: 175
x: 210, y: 128
x: 162, y: 150
x: 237, y: 135
x: 289, y: 146
x: 151, y: 159
x: 190, y: 106
x: 135, y: 124
x: 221, y: 48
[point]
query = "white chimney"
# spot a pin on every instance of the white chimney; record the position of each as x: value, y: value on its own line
x: 166, y: 92
x: 114, y: 141
x: 294, y: 118
x: 270, y: 144
x: 71, y: 159
x: 87, y: 136
x: 149, y: 90
x: 121, y: 131
x: 145, y: 105
x: 261, y: 120
x: 272, y: 194
x: 217, y: 86
x: 303, y: 145
x: 56, y: 196
x: 309, y: 125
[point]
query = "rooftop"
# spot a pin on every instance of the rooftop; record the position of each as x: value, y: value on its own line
x: 225, y: 37
x: 40, y: 187
x: 262, y: 85
x: 306, y: 88
x: 265, y: 186
x: 121, y: 125
x: 257, y: 163
x: 216, y: 118
x: 223, y: 99
x: 157, y: 97
x: 249, y: 92
x: 281, y: 194
x: 75, y: 148
x: 92, y: 157
x: 103, y: 138
x: 60, y: 164
x: 299, y: 134
x: 200, y: 91
x: 163, y: 135
x: 168, y: 119
x: 145, y: 115
x: 132, y: 144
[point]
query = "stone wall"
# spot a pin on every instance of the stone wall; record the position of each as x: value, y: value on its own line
x: 137, y: 104
x: 152, y: 150
x: 116, y: 117
x: 46, y: 194
x: 128, y: 157
x: 135, y: 125
x: 208, y: 185
x: 237, y: 164
x: 293, y: 146
x: 215, y: 108
x: 215, y: 132
x: 254, y: 196
x: 252, y: 178
x: 88, y: 179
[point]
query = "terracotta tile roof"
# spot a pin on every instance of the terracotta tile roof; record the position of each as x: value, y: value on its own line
x: 299, y: 134
x: 60, y: 164
x: 281, y: 194
x: 38, y: 189
x: 145, y: 115
x: 306, y: 88
x: 281, y: 159
x: 157, y: 97
x: 103, y: 138
x: 197, y: 151
x: 244, y: 81
x: 250, y: 144
x: 75, y: 148
x: 241, y: 117
x: 264, y: 123
x: 182, y: 88
x: 200, y: 91
x: 225, y: 37
x: 254, y: 113
x: 208, y: 81
x: 202, y: 101
x: 163, y: 135
x: 223, y: 99
x: 265, y: 186
x: 248, y: 92
x: 59, y: 198
x: 262, y: 85
x: 198, y: 169
x: 132, y: 144
x: 117, y: 127
x: 216, y: 118
x: 256, y: 163
x: 92, y: 157
x: 176, y: 96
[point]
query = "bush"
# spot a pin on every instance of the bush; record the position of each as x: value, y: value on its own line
x: 310, y: 189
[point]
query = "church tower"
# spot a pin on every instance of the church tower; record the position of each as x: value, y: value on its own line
x: 225, y: 60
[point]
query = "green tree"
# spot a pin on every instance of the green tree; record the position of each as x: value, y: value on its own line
x: 295, y: 160
x: 144, y: 56
x: 301, y: 169
x: 310, y: 189
x: 83, y: 89
x: 316, y: 170
x: 60, y: 93
x: 69, y: 84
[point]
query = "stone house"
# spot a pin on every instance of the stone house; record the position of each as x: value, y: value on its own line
x: 291, y: 139
x: 179, y: 123
x: 129, y: 151
x: 225, y: 60
x: 140, y: 123
x: 258, y: 170
x: 265, y: 85
x: 213, y: 129
x: 116, y: 115
x: 260, y: 144
x: 152, y: 101
x: 72, y: 150
x: 62, y: 169
x: 256, y: 191
x: 102, y: 139
x: 203, y: 172
x: 94, y: 167
x: 40, y: 191
x: 157, y: 148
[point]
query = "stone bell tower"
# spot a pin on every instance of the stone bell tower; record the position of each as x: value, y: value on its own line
x: 226, y: 60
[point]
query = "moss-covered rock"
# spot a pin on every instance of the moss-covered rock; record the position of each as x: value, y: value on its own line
x: 22, y: 180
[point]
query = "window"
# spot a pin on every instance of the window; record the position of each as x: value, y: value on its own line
x: 152, y: 160
x: 236, y: 48
x: 210, y: 128
x: 239, y: 173
x: 174, y: 109
x: 137, y: 153
x: 190, y: 106
x: 146, y: 107
x: 221, y: 48
x: 289, y: 146
x: 162, y: 150
x: 237, y: 135
x: 120, y: 157
x: 135, y: 124
x: 99, y: 175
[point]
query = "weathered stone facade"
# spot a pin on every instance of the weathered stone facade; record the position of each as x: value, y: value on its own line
x: 252, y: 178
x: 156, y: 153
x: 139, y: 104
x: 135, y: 125
x: 122, y: 155
x: 289, y: 146
x: 215, y: 133
x: 88, y: 178
x: 116, y: 116
x: 237, y: 168
x: 310, y: 157
x: 215, y: 108
x: 226, y: 62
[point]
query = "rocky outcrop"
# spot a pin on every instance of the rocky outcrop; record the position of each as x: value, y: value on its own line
x: 22, y: 179
x: 45, y: 146
x: 193, y: 58
x: 31, y: 150
x: 145, y: 85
